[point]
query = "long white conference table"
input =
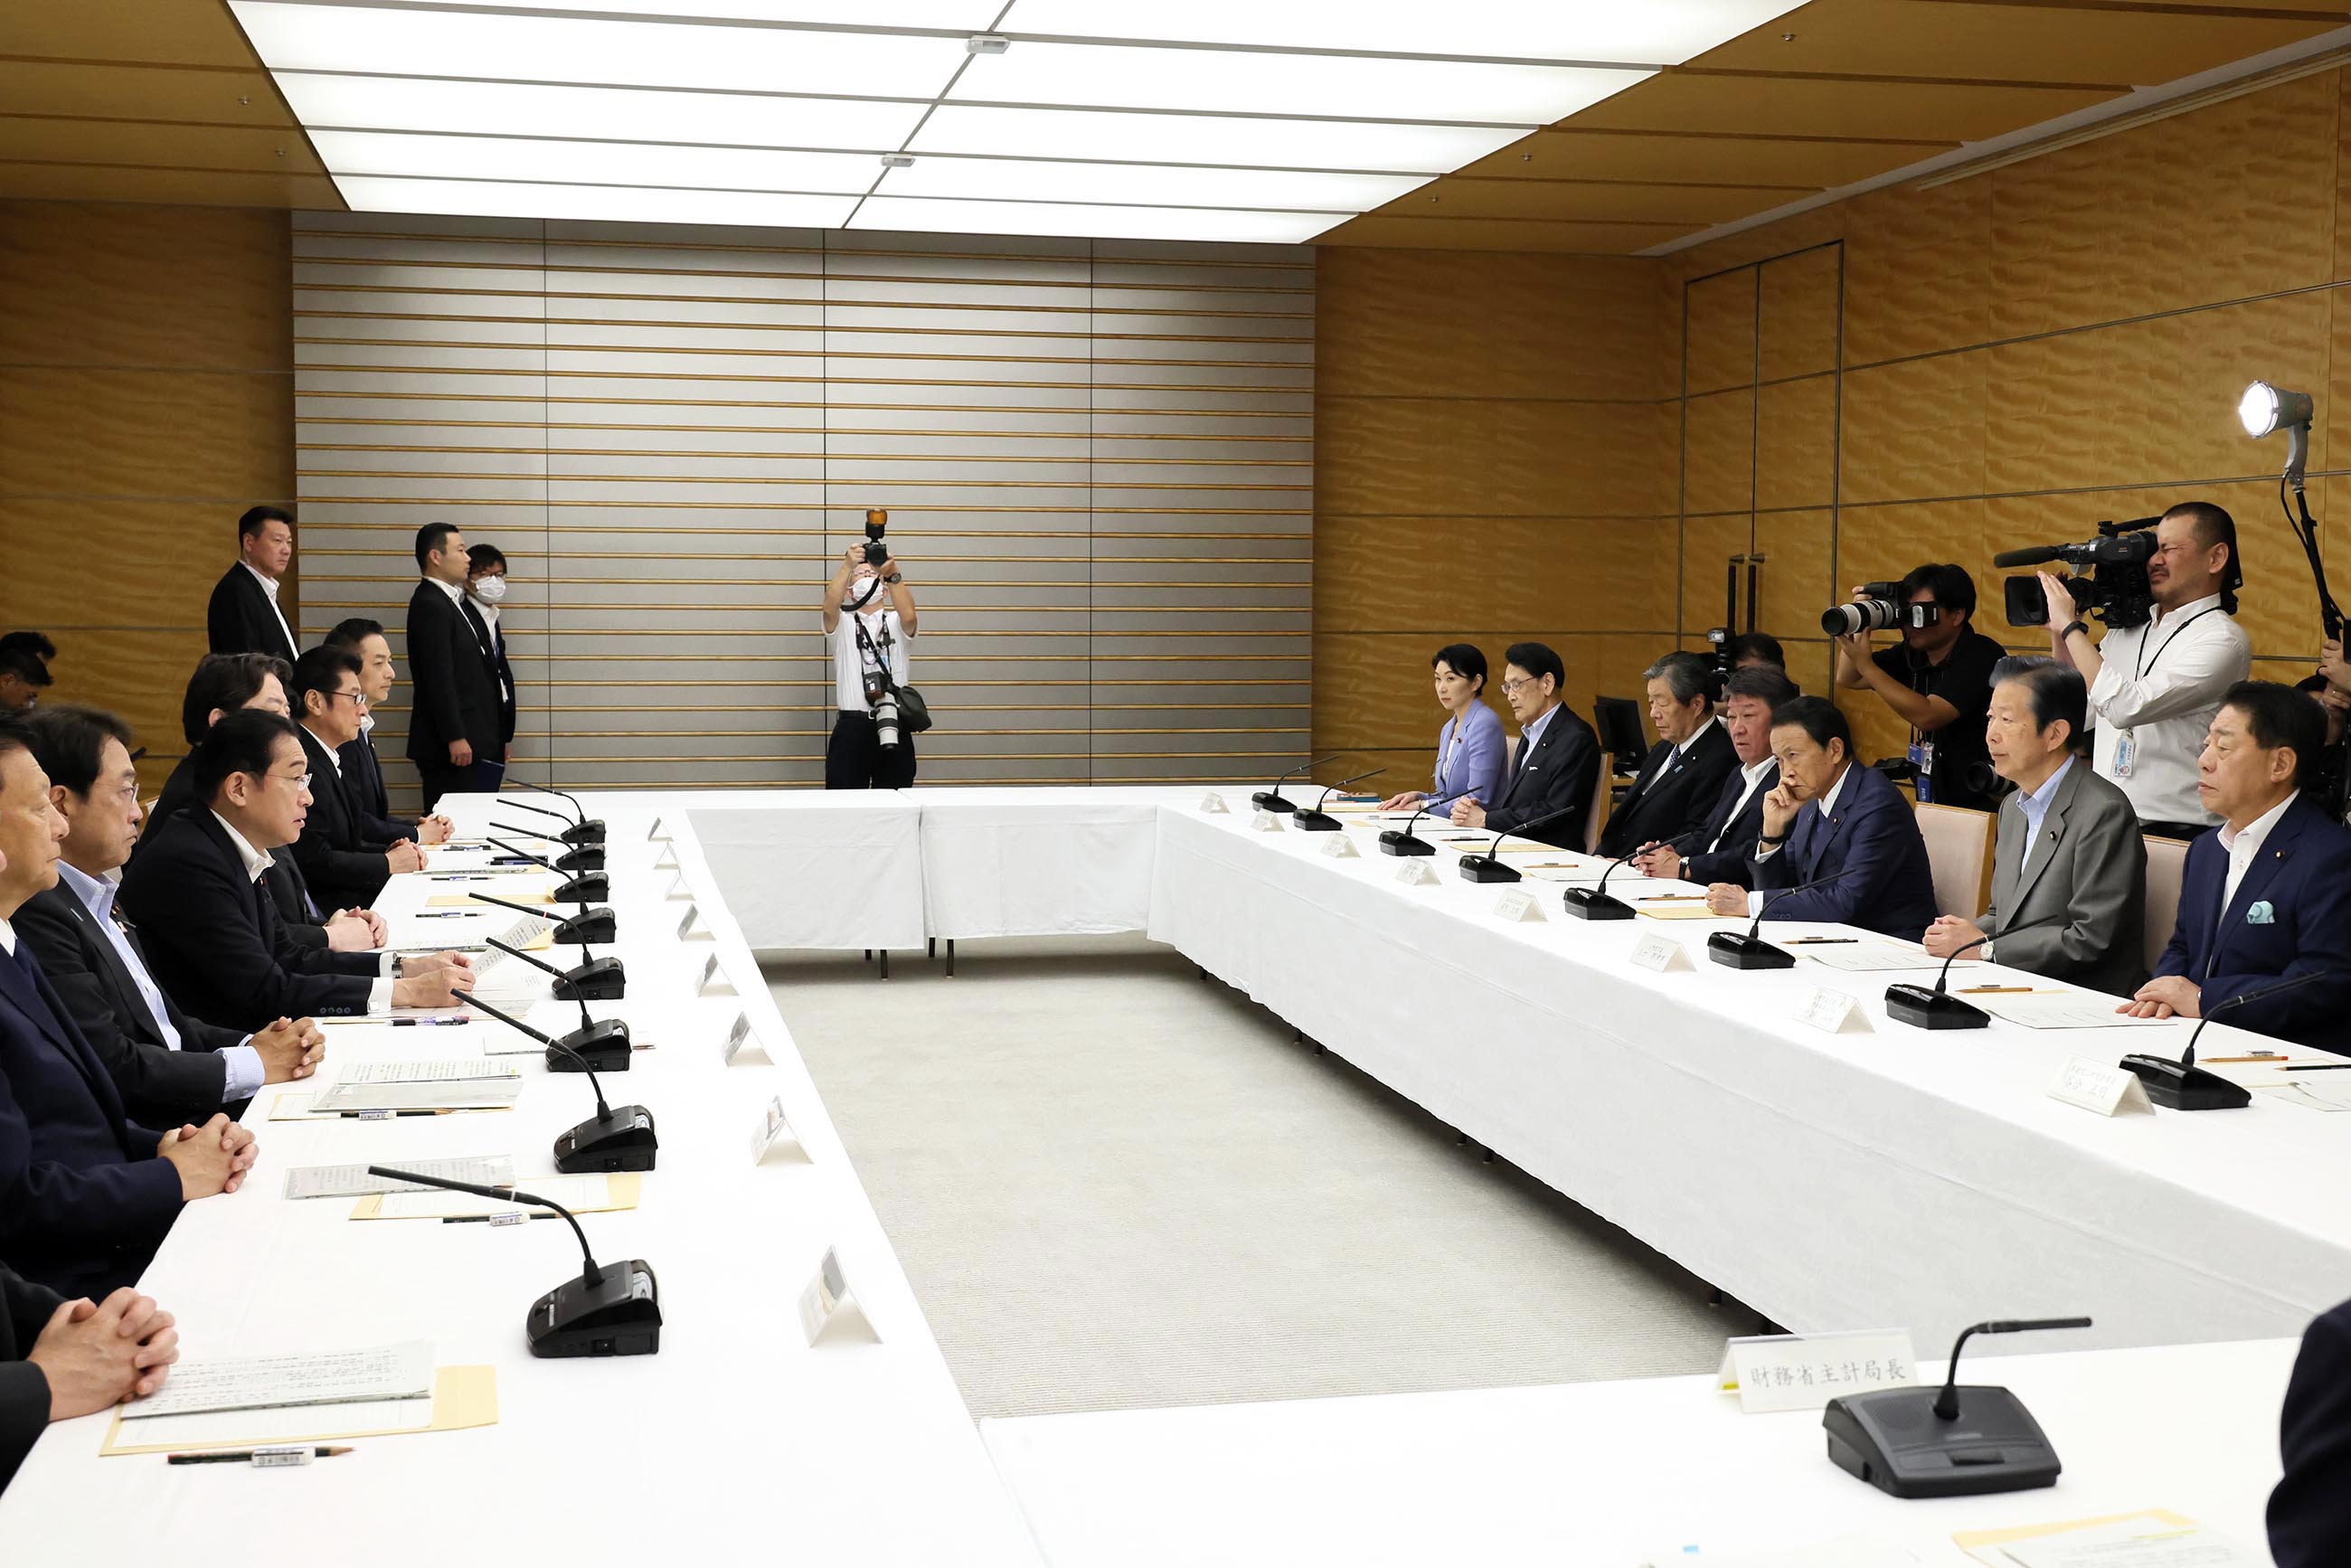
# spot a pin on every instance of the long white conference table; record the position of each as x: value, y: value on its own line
x: 1884, y: 1179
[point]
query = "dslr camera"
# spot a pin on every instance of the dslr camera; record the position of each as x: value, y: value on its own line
x: 2114, y: 589
x: 1879, y: 605
x: 877, y: 522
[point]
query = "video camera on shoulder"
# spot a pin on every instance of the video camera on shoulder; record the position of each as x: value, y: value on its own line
x: 2115, y: 588
x: 877, y: 522
x: 1877, y: 607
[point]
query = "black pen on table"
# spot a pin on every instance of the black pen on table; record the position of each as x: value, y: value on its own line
x: 244, y: 1455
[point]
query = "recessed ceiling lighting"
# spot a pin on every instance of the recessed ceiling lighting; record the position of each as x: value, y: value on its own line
x: 999, y: 179
x: 497, y: 198
x: 954, y: 15
x: 935, y: 215
x: 1232, y: 139
x: 591, y: 162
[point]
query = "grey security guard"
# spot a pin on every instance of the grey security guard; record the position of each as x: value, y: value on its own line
x: 868, y: 614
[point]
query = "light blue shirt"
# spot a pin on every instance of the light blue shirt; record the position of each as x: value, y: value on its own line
x: 245, y: 1072
x: 2035, y: 807
x: 1533, y: 732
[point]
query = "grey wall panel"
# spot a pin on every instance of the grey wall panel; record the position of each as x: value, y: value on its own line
x: 1098, y: 458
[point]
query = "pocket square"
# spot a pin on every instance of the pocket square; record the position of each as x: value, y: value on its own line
x: 2261, y: 914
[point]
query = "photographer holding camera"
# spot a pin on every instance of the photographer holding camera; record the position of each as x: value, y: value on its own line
x: 868, y: 614
x: 2155, y: 688
x: 1939, y: 680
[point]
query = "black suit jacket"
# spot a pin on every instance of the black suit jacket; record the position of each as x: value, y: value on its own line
x: 343, y: 869
x: 214, y: 939
x: 1737, y: 835
x: 25, y: 1309
x: 505, y: 675
x: 1673, y: 794
x: 363, y: 788
x: 455, y: 682
x: 1558, y: 775
x: 240, y: 620
x: 158, y: 1085
x: 2310, y: 1511
x: 286, y: 887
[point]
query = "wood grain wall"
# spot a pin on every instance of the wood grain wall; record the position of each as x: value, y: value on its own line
x: 146, y: 400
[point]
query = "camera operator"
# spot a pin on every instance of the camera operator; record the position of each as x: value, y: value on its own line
x: 868, y: 614
x: 2154, y: 688
x: 1938, y: 681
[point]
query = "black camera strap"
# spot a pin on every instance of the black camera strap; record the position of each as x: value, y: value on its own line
x: 866, y: 645
x: 2141, y: 671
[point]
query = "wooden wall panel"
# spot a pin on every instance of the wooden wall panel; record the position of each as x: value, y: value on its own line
x: 183, y: 287
x: 1913, y: 428
x: 1796, y: 317
x: 1412, y: 574
x: 1917, y: 270
x: 1719, y: 469
x: 1795, y: 443
x: 1504, y: 457
x: 1720, y: 351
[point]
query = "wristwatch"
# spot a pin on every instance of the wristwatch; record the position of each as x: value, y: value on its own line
x: 2071, y: 627
x: 894, y: 578
x: 1775, y: 839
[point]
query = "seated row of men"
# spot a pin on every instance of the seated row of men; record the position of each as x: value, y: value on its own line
x: 155, y: 980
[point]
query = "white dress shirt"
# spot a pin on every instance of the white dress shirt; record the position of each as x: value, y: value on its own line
x: 1753, y: 773
x: 270, y: 590
x: 7, y: 939
x: 258, y: 861
x: 246, y: 1073
x: 2244, y: 847
x: 2162, y: 683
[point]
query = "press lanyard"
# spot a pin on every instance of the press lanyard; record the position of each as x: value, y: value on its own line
x: 2138, y: 674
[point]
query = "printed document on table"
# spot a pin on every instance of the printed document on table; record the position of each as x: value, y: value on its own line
x: 278, y: 1382
x: 580, y: 1194
x: 447, y: 1094
x: 2063, y: 1009
x: 449, y: 1069
x: 353, y: 1181
x: 1861, y: 957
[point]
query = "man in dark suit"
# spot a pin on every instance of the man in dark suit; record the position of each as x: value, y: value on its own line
x: 167, y: 1066
x: 1556, y: 768
x: 243, y: 616
x: 363, y: 768
x: 1721, y: 848
x: 1684, y: 772
x: 211, y: 928
x: 1830, y: 816
x: 86, y: 1194
x: 334, y: 854
x: 2267, y: 896
x: 60, y: 1359
x: 453, y: 722
x: 2310, y: 1511
x: 485, y: 591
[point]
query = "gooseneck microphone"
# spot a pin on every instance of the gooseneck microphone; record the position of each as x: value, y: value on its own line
x: 583, y: 888
x: 1318, y: 820
x: 1595, y: 904
x: 592, y: 979
x: 1393, y: 841
x: 1750, y: 951
x: 2182, y: 1085
x: 621, y: 1139
x: 1273, y: 800
x: 598, y: 1043
x: 1938, y: 1009
x: 1489, y: 867
x: 598, y: 924
x: 1912, y: 1442
x: 610, y: 1310
x: 586, y: 857
x: 585, y: 829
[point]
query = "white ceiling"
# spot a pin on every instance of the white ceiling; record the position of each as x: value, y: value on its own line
x: 1213, y: 120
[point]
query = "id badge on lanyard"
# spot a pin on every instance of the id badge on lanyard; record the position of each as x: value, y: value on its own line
x: 2126, y: 753
x: 1922, y: 758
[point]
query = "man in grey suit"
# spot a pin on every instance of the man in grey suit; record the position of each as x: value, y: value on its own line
x: 2070, y: 863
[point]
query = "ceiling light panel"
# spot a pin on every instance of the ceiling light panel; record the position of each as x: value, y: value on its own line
x: 499, y: 198
x: 628, y: 114
x: 1630, y: 32
x: 491, y: 47
x: 955, y: 15
x: 934, y: 215
x: 592, y: 163
x: 1232, y: 139
x: 996, y: 179
x: 1114, y: 76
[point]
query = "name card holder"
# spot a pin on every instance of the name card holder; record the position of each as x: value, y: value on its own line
x: 1804, y: 1372
x: 1340, y: 847
x: 1516, y: 905
x: 710, y: 972
x: 1213, y: 804
x: 2094, y: 1086
x: 822, y: 1299
x: 667, y: 859
x: 772, y: 1126
x: 735, y: 1036
x: 1415, y: 874
x: 656, y: 834
x: 1265, y: 822
x: 677, y: 889
x: 1662, y: 954
x: 1832, y: 1013
x: 686, y: 927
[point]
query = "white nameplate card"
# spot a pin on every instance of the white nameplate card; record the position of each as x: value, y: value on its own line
x: 655, y: 835
x: 735, y: 1039
x: 677, y: 888
x: 1832, y: 1013
x: 1214, y: 804
x: 710, y: 973
x: 772, y: 1125
x: 1804, y: 1372
x: 823, y: 1297
x: 1266, y: 822
x: 1517, y: 903
x: 667, y: 859
x: 693, y: 915
x: 1416, y: 873
x: 2094, y: 1086
x: 1662, y: 954
x: 1338, y: 847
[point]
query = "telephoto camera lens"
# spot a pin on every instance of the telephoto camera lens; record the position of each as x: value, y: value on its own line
x: 1861, y: 615
x: 885, y: 720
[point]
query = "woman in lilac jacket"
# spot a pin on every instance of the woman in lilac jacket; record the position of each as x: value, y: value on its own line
x: 1470, y: 747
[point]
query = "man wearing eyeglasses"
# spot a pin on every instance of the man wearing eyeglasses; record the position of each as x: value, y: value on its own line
x: 341, y: 864
x: 214, y: 938
x: 1938, y: 680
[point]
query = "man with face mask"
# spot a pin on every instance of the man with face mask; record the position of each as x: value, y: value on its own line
x: 486, y: 585
x: 868, y: 614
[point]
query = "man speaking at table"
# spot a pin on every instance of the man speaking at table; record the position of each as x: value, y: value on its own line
x: 1830, y: 817
x: 1556, y: 768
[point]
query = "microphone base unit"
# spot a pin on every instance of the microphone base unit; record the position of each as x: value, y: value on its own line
x: 624, y: 1141
x: 2177, y: 1088
x: 1737, y: 950
x: 1486, y: 868
x: 1922, y: 1007
x: 1394, y: 842
x: 588, y: 859
x: 1892, y: 1438
x: 590, y: 928
x: 591, y: 887
x: 605, y: 1043
x: 617, y: 1314
x: 1272, y: 800
x: 597, y: 980
x: 1587, y: 904
x: 591, y: 832
x: 1315, y: 821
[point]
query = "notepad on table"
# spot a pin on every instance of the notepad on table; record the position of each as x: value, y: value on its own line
x: 465, y: 900
x: 2063, y: 1009
x: 459, y: 1083
x: 1863, y: 956
x: 1670, y: 908
x: 353, y: 1181
x: 592, y: 1194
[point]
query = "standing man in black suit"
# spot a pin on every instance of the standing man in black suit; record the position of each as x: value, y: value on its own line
x: 338, y: 860
x: 452, y: 724
x: 363, y: 768
x: 485, y: 589
x: 169, y: 1068
x: 1557, y: 764
x: 1685, y: 769
x: 244, y: 617
x: 1721, y: 848
x: 60, y: 1359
